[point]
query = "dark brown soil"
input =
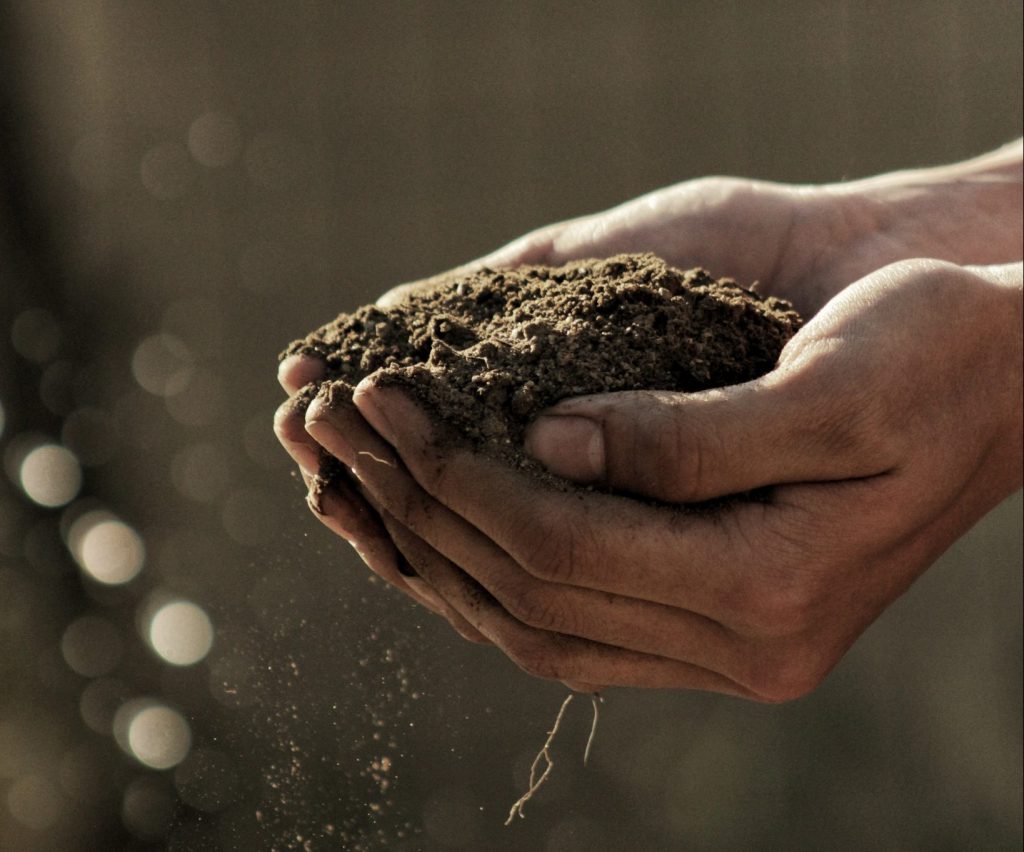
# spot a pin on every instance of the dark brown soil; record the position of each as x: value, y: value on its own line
x: 487, y: 351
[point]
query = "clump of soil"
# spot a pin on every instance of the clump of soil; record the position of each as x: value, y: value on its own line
x: 485, y: 352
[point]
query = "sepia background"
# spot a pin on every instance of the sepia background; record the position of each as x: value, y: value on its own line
x: 187, y: 659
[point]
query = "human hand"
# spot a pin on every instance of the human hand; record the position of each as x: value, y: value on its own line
x: 805, y: 243
x: 891, y: 424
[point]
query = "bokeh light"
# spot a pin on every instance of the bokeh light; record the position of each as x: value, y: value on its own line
x: 100, y: 702
x: 50, y: 475
x: 201, y: 403
x: 214, y: 139
x: 181, y: 633
x: 35, y: 801
x: 35, y: 335
x: 162, y: 364
x: 91, y: 646
x: 106, y: 548
x: 159, y: 737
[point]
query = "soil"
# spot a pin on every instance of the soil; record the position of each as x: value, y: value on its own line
x: 485, y: 352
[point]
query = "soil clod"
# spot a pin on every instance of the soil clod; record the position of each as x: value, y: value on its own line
x: 485, y: 352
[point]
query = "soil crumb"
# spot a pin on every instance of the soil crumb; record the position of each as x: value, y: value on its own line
x: 485, y: 352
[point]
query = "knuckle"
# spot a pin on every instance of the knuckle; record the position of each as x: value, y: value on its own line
x: 411, y: 507
x: 660, y: 452
x: 541, y: 609
x: 868, y: 431
x: 722, y: 188
x: 849, y: 422
x: 693, y: 450
x: 789, y: 673
x: 557, y: 551
x: 774, y: 608
x: 288, y: 424
x: 430, y: 467
x: 535, y: 656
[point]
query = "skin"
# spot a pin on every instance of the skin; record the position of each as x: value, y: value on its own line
x: 891, y: 424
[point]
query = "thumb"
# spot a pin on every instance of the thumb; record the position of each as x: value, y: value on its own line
x: 684, y: 448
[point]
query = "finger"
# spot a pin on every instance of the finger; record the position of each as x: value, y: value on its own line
x: 536, y: 247
x: 555, y: 656
x: 415, y: 555
x: 618, y: 620
x: 290, y: 428
x: 803, y: 424
x: 697, y: 223
x: 400, y: 293
x: 613, y: 620
x: 348, y: 516
x: 295, y: 371
x: 327, y: 419
x: 828, y: 412
x: 600, y: 541
x: 324, y: 416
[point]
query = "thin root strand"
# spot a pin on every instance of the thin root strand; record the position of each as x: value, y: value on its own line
x: 544, y: 754
x: 595, y: 700
x: 377, y: 459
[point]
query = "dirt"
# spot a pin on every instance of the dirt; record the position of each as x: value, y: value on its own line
x: 486, y: 352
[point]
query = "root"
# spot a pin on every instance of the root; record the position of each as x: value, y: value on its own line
x: 377, y: 459
x: 544, y: 754
x: 595, y: 700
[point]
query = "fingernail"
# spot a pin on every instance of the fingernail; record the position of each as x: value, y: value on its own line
x: 331, y: 440
x: 365, y: 398
x: 568, y: 446
x: 296, y: 370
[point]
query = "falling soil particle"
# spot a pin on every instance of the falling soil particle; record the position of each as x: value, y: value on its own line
x: 485, y: 352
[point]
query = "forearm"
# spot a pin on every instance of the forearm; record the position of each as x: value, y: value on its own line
x: 1010, y: 280
x: 966, y: 213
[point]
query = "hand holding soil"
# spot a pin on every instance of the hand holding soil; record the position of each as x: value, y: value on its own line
x: 890, y: 425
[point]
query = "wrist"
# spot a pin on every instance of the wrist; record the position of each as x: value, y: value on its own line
x: 965, y: 213
x: 1007, y: 285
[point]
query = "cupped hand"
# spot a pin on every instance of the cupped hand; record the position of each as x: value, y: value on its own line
x: 803, y: 243
x: 891, y: 424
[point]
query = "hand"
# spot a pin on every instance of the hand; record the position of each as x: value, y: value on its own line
x: 891, y: 424
x: 805, y: 242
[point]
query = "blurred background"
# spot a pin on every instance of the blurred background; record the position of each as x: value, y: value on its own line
x: 187, y: 659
